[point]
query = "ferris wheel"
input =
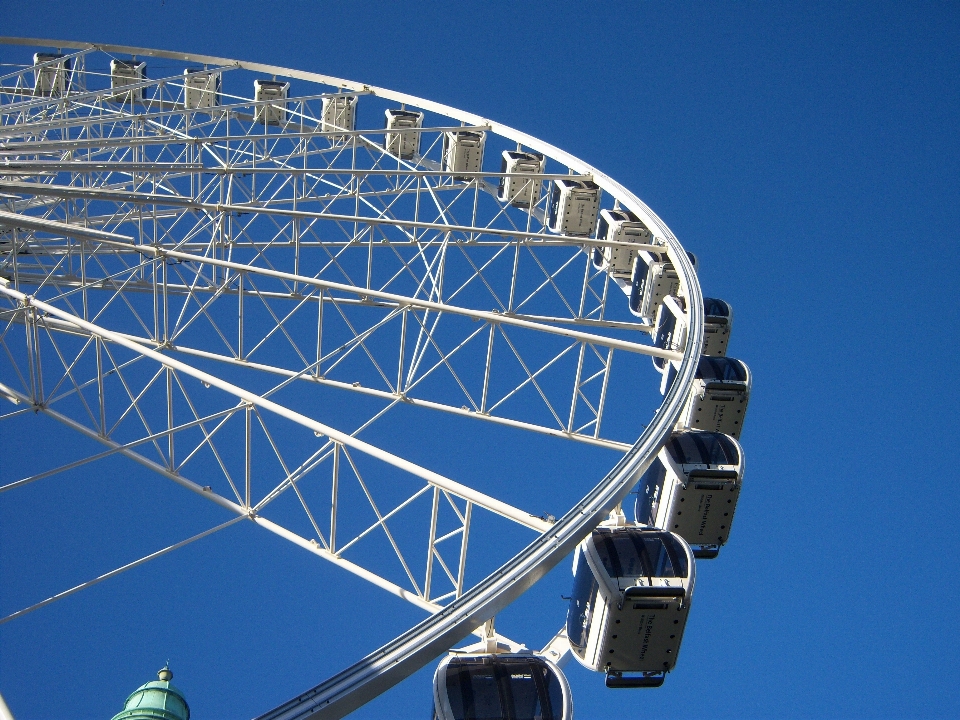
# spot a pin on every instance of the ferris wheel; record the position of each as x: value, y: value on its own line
x: 264, y: 284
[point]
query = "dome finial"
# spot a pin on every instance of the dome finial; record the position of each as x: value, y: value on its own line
x: 165, y: 674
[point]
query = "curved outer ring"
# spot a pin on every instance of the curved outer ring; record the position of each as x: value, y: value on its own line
x: 403, y: 656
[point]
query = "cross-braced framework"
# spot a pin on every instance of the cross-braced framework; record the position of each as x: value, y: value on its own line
x: 198, y: 275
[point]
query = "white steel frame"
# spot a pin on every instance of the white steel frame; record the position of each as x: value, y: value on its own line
x: 149, y: 252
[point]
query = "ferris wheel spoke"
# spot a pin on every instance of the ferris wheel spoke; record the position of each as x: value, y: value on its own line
x: 118, y: 571
x: 505, y: 318
x: 13, y: 413
x: 406, y: 269
x: 532, y: 377
x: 382, y: 520
x: 444, y: 359
x: 278, y: 324
x: 550, y: 280
x: 245, y: 513
x: 292, y: 478
x: 326, y: 451
x: 183, y: 274
x: 170, y: 364
x: 326, y: 374
x: 356, y: 341
x: 21, y: 75
x: 478, y: 273
x: 15, y: 361
x: 68, y: 374
x: 527, y: 235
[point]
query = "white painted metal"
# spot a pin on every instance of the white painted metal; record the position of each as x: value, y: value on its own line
x: 201, y: 89
x: 405, y: 142
x: 50, y: 73
x: 223, y: 208
x: 273, y: 95
x: 696, y: 496
x: 123, y: 74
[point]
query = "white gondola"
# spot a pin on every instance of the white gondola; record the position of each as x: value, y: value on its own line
x: 631, y: 595
x: 495, y: 687
x: 620, y: 226
x: 692, y: 489
x: 127, y: 73
x: 719, y: 397
x: 519, y: 191
x: 51, y: 74
x: 463, y: 152
x: 338, y: 112
x: 201, y: 89
x: 274, y: 96
x: 671, y: 327
x: 574, y: 205
x: 402, y: 144
x: 652, y: 279
x: 717, y: 324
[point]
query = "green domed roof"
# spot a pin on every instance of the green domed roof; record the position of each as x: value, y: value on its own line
x: 157, y: 700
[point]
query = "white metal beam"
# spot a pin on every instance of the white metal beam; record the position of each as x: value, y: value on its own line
x: 478, y: 498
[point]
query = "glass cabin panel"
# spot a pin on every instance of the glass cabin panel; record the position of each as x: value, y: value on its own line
x: 504, y: 689
x: 582, y: 601
x: 703, y: 448
x: 473, y: 693
x: 554, y: 204
x: 715, y: 308
x: 649, y: 493
x: 677, y: 553
x: 554, y: 691
x: 521, y: 688
x: 720, y: 368
x: 634, y: 554
x: 603, y: 228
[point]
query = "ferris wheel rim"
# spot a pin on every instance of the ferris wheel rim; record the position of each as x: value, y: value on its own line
x: 381, y: 669
x: 634, y: 203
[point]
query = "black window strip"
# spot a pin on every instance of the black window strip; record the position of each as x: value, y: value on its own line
x: 678, y: 569
x: 698, y: 440
x: 645, y: 561
x: 729, y: 450
x: 466, y: 693
x: 676, y: 449
x: 612, y: 554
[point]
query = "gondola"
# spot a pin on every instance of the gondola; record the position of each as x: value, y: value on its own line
x: 631, y: 595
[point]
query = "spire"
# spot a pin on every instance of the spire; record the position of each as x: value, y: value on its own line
x: 156, y: 700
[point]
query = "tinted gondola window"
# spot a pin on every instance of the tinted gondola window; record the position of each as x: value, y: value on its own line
x: 554, y: 204
x: 665, y: 331
x: 504, y: 689
x: 649, y: 492
x: 554, y: 691
x: 602, y: 228
x: 473, y: 693
x: 703, y: 448
x: 582, y: 601
x: 532, y: 691
x: 720, y: 368
x: 637, y: 554
x: 715, y: 308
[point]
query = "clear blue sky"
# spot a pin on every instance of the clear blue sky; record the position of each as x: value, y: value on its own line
x: 808, y: 153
